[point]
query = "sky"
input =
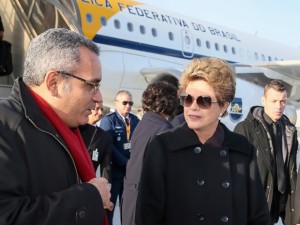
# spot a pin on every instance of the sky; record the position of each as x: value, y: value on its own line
x: 276, y: 20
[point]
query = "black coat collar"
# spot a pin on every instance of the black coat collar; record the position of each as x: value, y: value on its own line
x: 189, y: 139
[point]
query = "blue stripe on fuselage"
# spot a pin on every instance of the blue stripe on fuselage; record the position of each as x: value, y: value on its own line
x: 100, y: 39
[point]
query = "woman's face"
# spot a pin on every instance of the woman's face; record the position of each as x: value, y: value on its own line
x: 203, y: 118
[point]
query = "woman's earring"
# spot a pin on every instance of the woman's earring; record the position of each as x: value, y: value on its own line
x: 221, y: 114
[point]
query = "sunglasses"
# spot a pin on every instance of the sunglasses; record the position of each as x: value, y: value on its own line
x: 126, y: 102
x: 203, y: 102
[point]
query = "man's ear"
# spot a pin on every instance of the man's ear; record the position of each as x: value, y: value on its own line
x: 263, y: 99
x: 52, y: 79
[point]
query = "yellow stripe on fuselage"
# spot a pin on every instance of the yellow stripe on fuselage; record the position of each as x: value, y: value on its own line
x: 99, y: 8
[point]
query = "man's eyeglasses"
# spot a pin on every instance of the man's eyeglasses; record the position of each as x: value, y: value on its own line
x: 126, y: 102
x: 203, y: 102
x: 93, y: 86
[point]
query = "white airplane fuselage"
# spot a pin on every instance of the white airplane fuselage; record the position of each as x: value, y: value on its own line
x: 140, y: 44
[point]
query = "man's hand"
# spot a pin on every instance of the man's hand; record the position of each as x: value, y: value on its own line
x: 104, y: 189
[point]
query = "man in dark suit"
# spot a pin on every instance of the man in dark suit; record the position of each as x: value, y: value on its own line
x: 275, y: 140
x: 120, y: 125
x: 97, y: 141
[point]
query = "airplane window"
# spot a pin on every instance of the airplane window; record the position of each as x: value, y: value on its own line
x: 208, y: 44
x: 233, y: 50
x: 117, y: 24
x: 103, y: 21
x: 142, y: 29
x: 130, y: 27
x: 256, y: 55
x: 225, y: 48
x: 154, y: 32
x: 171, y: 36
x: 198, y: 42
x: 263, y: 57
x: 217, y: 46
x: 89, y: 18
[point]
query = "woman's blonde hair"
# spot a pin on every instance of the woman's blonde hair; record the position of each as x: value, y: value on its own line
x: 216, y: 72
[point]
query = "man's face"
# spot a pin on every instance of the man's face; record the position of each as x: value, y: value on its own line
x: 97, y: 113
x: 120, y: 101
x: 78, y: 98
x: 274, y: 103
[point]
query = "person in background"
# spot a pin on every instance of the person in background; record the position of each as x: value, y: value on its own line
x: 6, y: 66
x: 1, y: 29
x: 120, y: 126
x: 97, y: 114
x: 159, y: 101
x: 297, y: 200
x: 201, y: 172
x: 275, y: 140
x: 47, y: 176
x: 178, y: 120
x: 98, y: 142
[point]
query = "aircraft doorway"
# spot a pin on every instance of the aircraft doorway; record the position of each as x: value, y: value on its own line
x: 187, y: 44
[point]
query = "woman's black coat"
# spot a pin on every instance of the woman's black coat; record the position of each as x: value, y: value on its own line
x: 186, y: 182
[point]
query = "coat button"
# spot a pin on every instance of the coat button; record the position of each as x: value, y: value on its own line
x: 201, y: 217
x: 223, y: 153
x: 197, y: 150
x: 200, y: 182
x: 224, y: 219
x: 81, y: 214
x: 225, y: 184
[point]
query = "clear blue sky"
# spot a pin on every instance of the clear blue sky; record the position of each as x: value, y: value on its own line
x: 276, y: 20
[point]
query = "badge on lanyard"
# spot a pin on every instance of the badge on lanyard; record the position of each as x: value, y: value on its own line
x: 127, y: 146
x: 95, y: 155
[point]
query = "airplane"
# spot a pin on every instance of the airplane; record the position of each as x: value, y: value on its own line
x: 140, y: 44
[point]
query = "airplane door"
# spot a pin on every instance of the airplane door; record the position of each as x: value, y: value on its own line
x: 187, y: 44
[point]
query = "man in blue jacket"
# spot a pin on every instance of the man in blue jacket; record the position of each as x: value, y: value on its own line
x: 120, y: 125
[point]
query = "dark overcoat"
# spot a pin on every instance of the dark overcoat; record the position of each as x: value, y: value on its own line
x: 186, y: 182
x: 297, y: 200
x: 254, y: 129
x: 39, y: 183
x: 98, y: 144
x: 151, y: 124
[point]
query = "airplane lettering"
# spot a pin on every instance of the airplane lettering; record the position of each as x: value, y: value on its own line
x: 153, y: 15
x: 198, y: 27
x: 147, y: 14
x: 97, y: 2
x: 107, y: 4
x: 122, y: 6
x: 221, y: 33
x: 182, y: 23
x: 163, y: 18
